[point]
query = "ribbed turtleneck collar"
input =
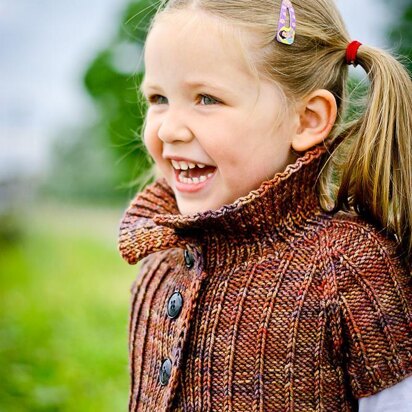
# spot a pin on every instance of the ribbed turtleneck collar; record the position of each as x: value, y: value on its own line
x: 279, y: 207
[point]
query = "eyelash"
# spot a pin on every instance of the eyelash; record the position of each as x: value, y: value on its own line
x: 153, y: 98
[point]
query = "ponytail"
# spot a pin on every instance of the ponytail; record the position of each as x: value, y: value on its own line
x: 376, y: 175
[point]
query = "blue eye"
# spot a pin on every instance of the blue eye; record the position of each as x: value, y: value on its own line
x: 205, y: 96
x: 156, y: 99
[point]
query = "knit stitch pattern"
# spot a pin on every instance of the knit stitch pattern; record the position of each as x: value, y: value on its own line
x: 286, y: 308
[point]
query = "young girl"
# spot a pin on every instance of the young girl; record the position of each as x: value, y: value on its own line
x: 275, y: 247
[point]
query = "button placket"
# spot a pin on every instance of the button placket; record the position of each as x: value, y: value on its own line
x: 174, y: 308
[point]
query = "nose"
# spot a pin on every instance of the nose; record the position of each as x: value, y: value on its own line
x: 173, y: 128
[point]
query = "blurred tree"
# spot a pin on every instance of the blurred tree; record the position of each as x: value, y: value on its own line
x: 105, y: 161
x: 400, y: 32
x: 112, y: 80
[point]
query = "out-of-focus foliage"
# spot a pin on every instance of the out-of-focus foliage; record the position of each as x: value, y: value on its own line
x: 401, y: 30
x: 104, y: 161
x: 114, y: 90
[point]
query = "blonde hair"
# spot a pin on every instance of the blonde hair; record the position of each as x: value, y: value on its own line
x: 368, y: 167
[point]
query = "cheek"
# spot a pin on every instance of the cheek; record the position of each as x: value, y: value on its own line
x: 228, y: 145
x: 152, y: 142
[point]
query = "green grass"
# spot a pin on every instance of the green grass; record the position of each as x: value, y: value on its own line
x: 64, y: 301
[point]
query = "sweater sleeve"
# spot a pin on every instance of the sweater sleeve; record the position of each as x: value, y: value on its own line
x: 374, y: 293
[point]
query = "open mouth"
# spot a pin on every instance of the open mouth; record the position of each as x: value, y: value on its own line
x: 192, y: 173
x: 195, y: 175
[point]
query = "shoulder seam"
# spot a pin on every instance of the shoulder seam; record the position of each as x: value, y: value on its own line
x: 385, y: 244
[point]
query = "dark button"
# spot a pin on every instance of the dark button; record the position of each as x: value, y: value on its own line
x: 174, y: 305
x: 165, y: 371
x: 189, y: 259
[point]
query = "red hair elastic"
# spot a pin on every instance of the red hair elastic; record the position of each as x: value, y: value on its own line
x: 352, y: 51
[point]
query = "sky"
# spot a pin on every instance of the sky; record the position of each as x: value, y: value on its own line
x: 45, y: 47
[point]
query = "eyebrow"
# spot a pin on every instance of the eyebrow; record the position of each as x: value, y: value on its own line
x: 193, y: 84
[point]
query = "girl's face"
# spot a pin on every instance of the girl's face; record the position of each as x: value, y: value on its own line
x: 207, y: 108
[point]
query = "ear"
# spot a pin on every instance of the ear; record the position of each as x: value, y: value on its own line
x: 317, y: 115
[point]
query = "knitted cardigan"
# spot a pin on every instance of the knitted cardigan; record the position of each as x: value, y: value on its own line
x: 285, y: 307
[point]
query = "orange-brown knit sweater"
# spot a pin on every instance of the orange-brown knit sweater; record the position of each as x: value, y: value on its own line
x: 267, y: 304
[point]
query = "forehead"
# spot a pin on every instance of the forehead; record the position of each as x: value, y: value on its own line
x: 193, y: 46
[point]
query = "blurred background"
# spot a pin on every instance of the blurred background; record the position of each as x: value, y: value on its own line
x: 70, y: 156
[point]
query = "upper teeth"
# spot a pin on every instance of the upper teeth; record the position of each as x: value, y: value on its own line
x: 181, y: 165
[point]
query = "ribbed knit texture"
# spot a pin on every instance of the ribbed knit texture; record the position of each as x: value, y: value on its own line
x: 287, y: 308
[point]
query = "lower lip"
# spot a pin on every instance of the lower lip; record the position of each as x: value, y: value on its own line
x: 191, y: 187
